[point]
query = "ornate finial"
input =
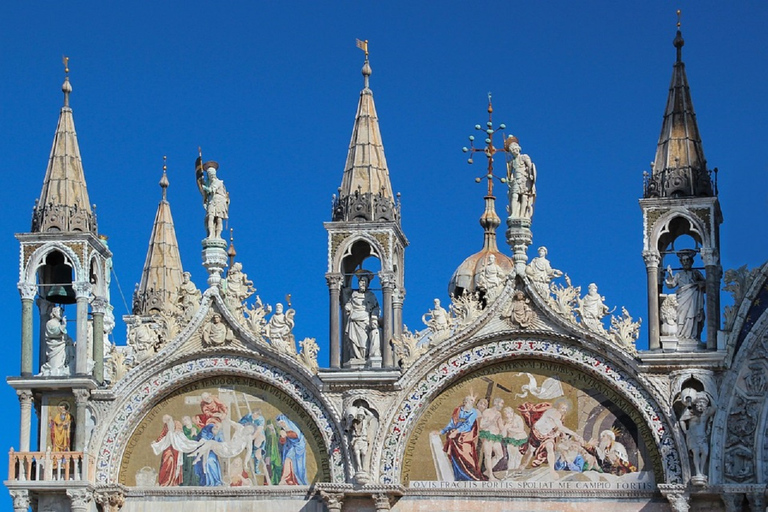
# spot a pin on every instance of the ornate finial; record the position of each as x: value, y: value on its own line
x: 231, y: 252
x: 363, y: 45
x: 288, y: 299
x: 164, y: 180
x: 489, y: 149
x: 66, y: 88
x: 679, y: 41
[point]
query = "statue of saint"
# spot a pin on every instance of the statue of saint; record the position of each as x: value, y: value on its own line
x: 238, y: 289
x: 216, y: 333
x: 695, y: 425
x: 58, y: 345
x: 279, y: 330
x: 540, y: 272
x: 216, y: 201
x: 360, y: 307
x: 592, y: 309
x: 437, y: 318
x: 689, y: 284
x: 358, y: 420
x: 491, y: 278
x: 189, y: 297
x: 521, y: 180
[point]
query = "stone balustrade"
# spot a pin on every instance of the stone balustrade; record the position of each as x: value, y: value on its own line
x: 49, y: 466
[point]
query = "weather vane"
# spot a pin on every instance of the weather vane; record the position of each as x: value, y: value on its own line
x: 489, y: 149
x: 363, y: 45
x: 65, y: 61
x: 678, y: 19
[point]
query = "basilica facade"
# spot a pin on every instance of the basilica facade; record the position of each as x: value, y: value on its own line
x: 524, y: 393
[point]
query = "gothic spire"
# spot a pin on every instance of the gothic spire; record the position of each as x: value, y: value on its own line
x: 680, y: 169
x: 162, y: 274
x: 63, y: 204
x: 365, y: 192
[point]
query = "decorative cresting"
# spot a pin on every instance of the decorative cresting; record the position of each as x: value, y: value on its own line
x: 110, y: 442
x: 440, y: 376
x: 739, y: 446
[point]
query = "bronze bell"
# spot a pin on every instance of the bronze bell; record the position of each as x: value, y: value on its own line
x: 56, y: 281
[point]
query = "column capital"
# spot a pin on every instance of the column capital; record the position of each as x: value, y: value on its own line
x: 25, y: 396
x: 99, y: 305
x: 81, y: 396
x: 709, y: 256
x: 333, y: 500
x: 79, y: 499
x: 27, y: 290
x: 110, y: 500
x: 382, y: 502
x: 651, y: 258
x: 21, y: 499
x: 334, y: 280
x: 387, y: 280
x: 82, y: 289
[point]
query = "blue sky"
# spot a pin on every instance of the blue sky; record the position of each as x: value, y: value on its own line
x: 269, y: 90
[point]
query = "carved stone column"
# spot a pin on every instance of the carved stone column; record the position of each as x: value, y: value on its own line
x: 99, y: 307
x: 333, y: 500
x: 714, y: 273
x: 381, y: 502
x: 387, y: 287
x: 81, y: 401
x: 27, y: 291
x: 83, y: 295
x: 79, y: 498
x: 652, y: 261
x: 397, y: 311
x: 756, y: 501
x: 110, y: 501
x: 21, y: 500
x: 334, y: 290
x: 44, y: 311
x: 25, y: 398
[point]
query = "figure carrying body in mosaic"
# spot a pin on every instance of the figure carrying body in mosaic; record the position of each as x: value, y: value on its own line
x: 545, y: 421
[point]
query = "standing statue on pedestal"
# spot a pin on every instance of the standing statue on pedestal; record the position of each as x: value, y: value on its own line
x: 592, y: 309
x: 490, y: 279
x: 689, y: 284
x: 361, y: 306
x: 695, y: 425
x: 216, y: 198
x: 358, y: 421
x: 58, y: 345
x: 189, y: 298
x: 279, y: 330
x: 238, y: 289
x: 521, y: 180
x: 540, y: 272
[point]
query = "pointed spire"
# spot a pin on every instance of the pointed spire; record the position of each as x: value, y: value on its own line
x: 64, y: 204
x: 162, y: 274
x: 366, y: 177
x: 680, y: 169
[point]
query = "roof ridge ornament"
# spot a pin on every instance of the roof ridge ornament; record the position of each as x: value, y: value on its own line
x: 66, y: 87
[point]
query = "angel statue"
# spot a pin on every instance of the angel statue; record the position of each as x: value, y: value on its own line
x: 215, y: 197
x: 521, y: 180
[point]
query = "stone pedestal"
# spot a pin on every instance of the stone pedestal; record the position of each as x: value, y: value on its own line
x: 519, y: 237
x: 214, y: 259
x: 374, y: 362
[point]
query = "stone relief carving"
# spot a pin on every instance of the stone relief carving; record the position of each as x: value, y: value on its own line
x: 689, y: 292
x: 519, y: 312
x: 439, y: 322
x: 59, y: 347
x: 736, y: 283
x: 756, y: 382
x: 695, y: 424
x: 408, y: 348
x: 279, y: 330
x: 216, y: 333
x: 521, y: 180
x: 591, y: 309
x: 624, y: 331
x: 739, y: 464
x: 465, y: 308
x: 143, y: 341
x: 360, y: 424
x: 308, y: 354
x: 541, y: 273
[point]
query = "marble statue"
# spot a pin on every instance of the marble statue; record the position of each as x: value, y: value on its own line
x: 144, y: 340
x: 358, y: 420
x: 58, y: 345
x: 521, y: 180
x: 216, y: 201
x: 361, y: 306
x: 238, y: 289
x: 188, y: 298
x: 689, y: 292
x: 438, y: 321
x: 374, y: 344
x: 216, y: 333
x: 694, y: 423
x: 540, y: 272
x: 490, y: 279
x: 668, y: 316
x: 592, y: 309
x: 279, y: 330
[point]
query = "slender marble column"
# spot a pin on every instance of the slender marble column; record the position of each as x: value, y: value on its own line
x: 334, y: 289
x: 83, y: 295
x: 25, y: 399
x: 27, y: 291
x: 99, y: 306
x: 81, y: 411
x: 652, y: 269
x: 388, y: 286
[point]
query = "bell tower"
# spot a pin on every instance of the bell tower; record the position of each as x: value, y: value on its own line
x: 681, y: 229
x: 366, y: 247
